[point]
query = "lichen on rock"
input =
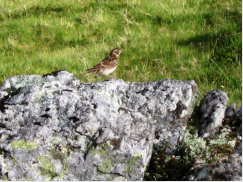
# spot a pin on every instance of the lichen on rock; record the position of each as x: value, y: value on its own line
x: 25, y: 145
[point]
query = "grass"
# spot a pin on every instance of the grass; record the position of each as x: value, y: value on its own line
x: 186, y: 40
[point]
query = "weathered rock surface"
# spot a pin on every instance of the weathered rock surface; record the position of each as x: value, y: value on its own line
x: 54, y: 128
x: 212, y: 110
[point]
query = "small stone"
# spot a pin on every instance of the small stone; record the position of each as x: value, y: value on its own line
x: 212, y: 111
x: 230, y: 110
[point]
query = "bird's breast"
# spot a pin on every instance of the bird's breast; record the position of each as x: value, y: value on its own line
x: 108, y: 71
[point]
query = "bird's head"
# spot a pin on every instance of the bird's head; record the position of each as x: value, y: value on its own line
x: 115, y: 52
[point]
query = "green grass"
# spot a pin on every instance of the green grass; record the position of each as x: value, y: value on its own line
x: 186, y: 40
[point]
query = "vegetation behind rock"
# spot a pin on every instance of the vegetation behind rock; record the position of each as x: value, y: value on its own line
x: 185, y: 40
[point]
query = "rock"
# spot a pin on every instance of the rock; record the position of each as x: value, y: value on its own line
x: 237, y: 117
x: 239, y: 133
x: 229, y: 112
x: 221, y: 157
x: 237, y: 122
x: 212, y: 111
x: 54, y: 128
x: 232, y: 116
x: 215, y: 159
x: 203, y: 175
x: 224, y: 170
x: 238, y: 113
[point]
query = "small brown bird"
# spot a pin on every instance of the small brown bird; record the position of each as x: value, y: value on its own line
x: 107, y: 65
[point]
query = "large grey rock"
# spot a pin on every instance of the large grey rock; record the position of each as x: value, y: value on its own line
x: 212, y: 111
x: 54, y: 128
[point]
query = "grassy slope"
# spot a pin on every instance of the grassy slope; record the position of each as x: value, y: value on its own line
x: 178, y: 39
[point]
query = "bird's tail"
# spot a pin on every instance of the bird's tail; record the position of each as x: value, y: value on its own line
x: 84, y: 74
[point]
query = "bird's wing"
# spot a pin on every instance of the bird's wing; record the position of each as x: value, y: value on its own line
x: 109, y: 63
x: 104, y: 64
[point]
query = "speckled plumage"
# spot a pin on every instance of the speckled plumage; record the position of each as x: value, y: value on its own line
x: 107, y: 65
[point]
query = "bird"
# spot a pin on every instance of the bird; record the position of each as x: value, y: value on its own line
x: 107, y: 65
